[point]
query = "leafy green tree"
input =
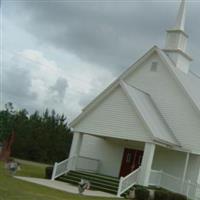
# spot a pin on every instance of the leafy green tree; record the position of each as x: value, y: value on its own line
x: 42, y: 138
x: 6, y: 121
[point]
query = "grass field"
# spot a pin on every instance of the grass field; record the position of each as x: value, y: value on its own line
x: 37, y: 171
x: 13, y: 189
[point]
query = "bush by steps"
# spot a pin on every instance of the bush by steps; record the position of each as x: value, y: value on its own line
x: 145, y: 193
x: 165, y: 195
x: 48, y: 172
x: 141, y: 194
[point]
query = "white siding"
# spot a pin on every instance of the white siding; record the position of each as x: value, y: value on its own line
x: 169, y: 161
x: 193, y: 168
x: 109, y: 154
x: 108, y: 151
x: 171, y: 100
x: 114, y: 117
x: 173, y: 162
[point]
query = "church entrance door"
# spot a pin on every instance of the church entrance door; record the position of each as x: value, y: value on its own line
x: 131, y: 161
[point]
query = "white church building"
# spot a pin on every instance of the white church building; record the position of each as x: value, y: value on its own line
x: 145, y: 126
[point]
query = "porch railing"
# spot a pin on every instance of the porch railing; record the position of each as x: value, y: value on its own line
x: 155, y: 178
x: 128, y: 181
x: 80, y: 163
x: 87, y: 164
x: 175, y: 184
x: 62, y: 167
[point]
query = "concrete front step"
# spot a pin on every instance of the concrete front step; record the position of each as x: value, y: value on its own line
x: 98, y: 182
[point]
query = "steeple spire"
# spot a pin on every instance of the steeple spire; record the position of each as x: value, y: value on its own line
x: 180, y: 23
x: 176, y: 41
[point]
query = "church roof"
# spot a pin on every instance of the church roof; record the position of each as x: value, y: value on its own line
x: 147, y: 109
x: 161, y: 132
x: 189, y: 81
x: 151, y: 115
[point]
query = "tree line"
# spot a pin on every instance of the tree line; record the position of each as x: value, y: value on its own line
x: 39, y: 137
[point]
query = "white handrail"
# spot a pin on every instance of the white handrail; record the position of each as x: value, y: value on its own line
x: 128, y: 181
x: 164, y: 180
x: 75, y: 162
x: 62, y: 167
x: 175, y: 184
x: 87, y: 164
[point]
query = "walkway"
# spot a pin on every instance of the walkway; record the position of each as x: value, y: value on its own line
x: 64, y: 186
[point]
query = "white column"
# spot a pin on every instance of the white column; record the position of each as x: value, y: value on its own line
x: 147, y: 161
x: 186, y: 166
x: 75, y: 148
x: 185, y: 171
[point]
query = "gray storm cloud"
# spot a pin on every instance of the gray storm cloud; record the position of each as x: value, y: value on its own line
x: 17, y: 84
x: 59, y: 89
x: 113, y: 34
x: 105, y: 37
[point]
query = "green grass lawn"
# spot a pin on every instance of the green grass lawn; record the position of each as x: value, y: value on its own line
x: 31, y: 171
x: 13, y: 189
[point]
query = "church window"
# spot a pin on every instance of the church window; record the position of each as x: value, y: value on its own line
x: 154, y: 66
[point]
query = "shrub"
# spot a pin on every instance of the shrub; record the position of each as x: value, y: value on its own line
x: 162, y: 195
x: 48, y: 172
x: 176, y: 196
x: 140, y: 187
x: 166, y: 195
x: 171, y: 196
x: 142, y: 194
x: 152, y: 187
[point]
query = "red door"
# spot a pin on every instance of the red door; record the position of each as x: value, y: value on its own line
x: 131, y: 160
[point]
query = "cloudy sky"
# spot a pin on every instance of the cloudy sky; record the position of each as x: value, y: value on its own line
x: 61, y: 54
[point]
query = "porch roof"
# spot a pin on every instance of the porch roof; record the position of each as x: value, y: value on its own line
x: 150, y: 114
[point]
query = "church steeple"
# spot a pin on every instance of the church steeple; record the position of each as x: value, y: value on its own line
x: 176, y: 41
x: 180, y: 23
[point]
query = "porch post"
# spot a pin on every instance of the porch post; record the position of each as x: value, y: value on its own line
x: 185, y: 171
x: 75, y: 149
x: 147, y: 161
x: 186, y: 166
